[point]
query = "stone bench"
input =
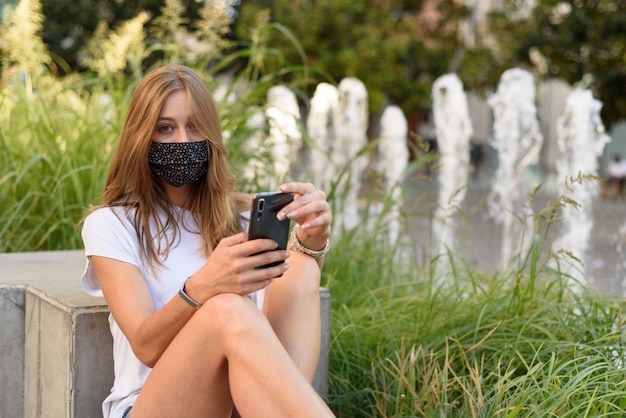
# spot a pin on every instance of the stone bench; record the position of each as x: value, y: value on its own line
x: 55, y: 345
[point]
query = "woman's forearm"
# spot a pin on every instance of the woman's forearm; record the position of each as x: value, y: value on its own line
x: 156, y: 333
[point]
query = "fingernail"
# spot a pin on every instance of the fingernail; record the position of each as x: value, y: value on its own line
x: 280, y: 216
x: 285, y: 266
x: 291, y: 215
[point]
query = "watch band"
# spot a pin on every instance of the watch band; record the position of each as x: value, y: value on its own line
x: 186, y: 297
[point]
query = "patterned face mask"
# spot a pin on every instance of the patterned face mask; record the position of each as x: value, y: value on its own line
x: 179, y: 163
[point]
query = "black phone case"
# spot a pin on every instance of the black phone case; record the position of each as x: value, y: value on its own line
x: 263, y: 220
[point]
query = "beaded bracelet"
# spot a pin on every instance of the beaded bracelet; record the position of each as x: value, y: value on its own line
x: 296, y: 245
x: 186, y: 297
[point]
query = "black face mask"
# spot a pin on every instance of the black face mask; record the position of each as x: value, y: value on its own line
x: 179, y: 163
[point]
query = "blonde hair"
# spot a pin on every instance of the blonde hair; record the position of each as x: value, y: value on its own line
x: 131, y: 183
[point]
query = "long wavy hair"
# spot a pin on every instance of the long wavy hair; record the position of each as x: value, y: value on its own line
x: 132, y: 184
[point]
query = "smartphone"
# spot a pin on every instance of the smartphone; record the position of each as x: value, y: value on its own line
x: 263, y: 220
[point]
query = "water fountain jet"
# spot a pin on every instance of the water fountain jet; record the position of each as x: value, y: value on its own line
x: 518, y: 140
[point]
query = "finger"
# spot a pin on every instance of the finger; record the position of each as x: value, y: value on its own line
x: 259, y: 245
x: 239, y: 247
x: 323, y: 205
x: 233, y: 240
x: 244, y: 246
x: 324, y: 220
x: 260, y: 278
x: 312, y: 202
x: 268, y: 259
x: 315, y: 207
x: 273, y: 273
x: 297, y: 187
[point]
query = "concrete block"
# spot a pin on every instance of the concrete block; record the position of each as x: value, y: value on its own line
x: 12, y: 350
x: 320, y: 382
x: 67, y: 361
x: 93, y: 362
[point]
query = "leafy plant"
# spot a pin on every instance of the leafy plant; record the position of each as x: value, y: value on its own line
x: 522, y: 342
x: 57, y: 134
x: 519, y: 343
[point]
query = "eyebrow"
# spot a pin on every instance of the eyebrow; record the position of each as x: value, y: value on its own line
x: 172, y: 119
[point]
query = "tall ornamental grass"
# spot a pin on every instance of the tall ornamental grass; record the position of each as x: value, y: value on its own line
x: 54, y: 145
x: 524, y: 343
x: 57, y: 134
x: 405, y: 342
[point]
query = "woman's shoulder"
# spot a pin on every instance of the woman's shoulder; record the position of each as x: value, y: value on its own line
x: 109, y: 215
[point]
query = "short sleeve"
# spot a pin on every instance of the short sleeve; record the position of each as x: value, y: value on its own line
x: 107, y: 232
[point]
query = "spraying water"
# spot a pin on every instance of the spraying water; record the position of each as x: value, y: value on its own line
x: 256, y: 172
x: 285, y: 137
x: 350, y: 123
x: 581, y: 140
x: 453, y: 128
x: 393, y: 159
x: 518, y: 140
x: 320, y: 129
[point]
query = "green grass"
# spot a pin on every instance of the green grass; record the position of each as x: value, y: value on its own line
x: 55, y: 147
x: 525, y: 343
x: 404, y: 342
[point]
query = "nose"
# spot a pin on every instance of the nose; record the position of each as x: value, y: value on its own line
x: 182, y: 136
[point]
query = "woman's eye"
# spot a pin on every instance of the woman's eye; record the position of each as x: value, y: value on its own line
x: 192, y: 126
x: 165, y: 128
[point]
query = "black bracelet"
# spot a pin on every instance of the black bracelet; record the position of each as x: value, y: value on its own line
x: 186, y: 297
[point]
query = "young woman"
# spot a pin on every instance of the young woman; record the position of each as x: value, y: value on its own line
x: 198, y: 330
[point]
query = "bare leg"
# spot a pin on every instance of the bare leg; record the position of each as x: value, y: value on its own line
x: 292, y: 305
x: 227, y: 354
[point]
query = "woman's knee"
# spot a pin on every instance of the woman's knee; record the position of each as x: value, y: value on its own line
x: 228, y: 314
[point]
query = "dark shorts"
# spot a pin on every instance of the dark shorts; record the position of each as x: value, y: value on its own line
x: 127, y: 412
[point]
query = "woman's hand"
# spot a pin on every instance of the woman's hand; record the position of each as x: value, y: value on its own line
x: 233, y: 268
x: 311, y: 211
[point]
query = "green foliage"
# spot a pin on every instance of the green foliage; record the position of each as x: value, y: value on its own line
x: 170, y: 21
x: 57, y: 136
x: 110, y: 52
x: 396, y: 47
x: 212, y: 28
x: 520, y: 343
x: 523, y: 343
x: 386, y: 44
x: 572, y: 40
x: 70, y: 24
x: 54, y: 148
x: 21, y: 48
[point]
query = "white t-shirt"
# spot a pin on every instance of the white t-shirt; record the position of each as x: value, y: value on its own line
x: 109, y: 232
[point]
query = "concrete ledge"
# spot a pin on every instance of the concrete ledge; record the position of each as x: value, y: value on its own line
x: 55, y: 344
x: 320, y: 382
x: 68, y: 360
x: 61, y: 348
x: 12, y: 350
